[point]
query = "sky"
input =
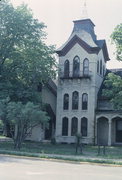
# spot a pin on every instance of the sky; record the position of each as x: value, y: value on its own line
x: 58, y: 16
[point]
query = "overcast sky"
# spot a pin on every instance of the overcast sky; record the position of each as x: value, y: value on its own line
x: 59, y: 14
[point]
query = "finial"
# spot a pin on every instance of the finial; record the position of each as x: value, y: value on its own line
x: 84, y: 10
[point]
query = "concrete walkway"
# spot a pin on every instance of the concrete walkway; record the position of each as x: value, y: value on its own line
x: 17, y: 168
x: 82, y: 158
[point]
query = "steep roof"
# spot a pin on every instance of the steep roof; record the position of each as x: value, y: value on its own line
x: 83, y: 34
x: 63, y: 50
x: 52, y: 87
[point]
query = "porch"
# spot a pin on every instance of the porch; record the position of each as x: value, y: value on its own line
x: 108, y: 129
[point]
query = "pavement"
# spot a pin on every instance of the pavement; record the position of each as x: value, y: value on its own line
x: 82, y: 157
x: 19, y: 168
x: 66, y: 158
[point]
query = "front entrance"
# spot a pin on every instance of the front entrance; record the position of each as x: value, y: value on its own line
x: 119, y: 130
x: 50, y: 131
x: 102, y: 131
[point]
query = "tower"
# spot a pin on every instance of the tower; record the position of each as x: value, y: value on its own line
x: 82, y: 65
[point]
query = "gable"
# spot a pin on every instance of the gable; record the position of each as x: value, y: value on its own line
x: 75, y: 39
x: 103, y: 46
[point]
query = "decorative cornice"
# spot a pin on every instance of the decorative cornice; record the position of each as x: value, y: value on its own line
x: 83, y: 44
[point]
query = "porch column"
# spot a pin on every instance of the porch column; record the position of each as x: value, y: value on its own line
x: 109, y: 133
x: 69, y: 127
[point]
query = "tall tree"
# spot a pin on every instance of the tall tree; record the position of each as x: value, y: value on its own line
x: 113, y: 91
x: 113, y: 82
x: 22, y: 118
x: 25, y: 60
x: 117, y: 39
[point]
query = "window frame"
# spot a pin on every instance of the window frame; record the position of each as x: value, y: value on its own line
x: 66, y: 68
x: 84, y: 103
x: 84, y: 126
x: 76, y: 67
x: 65, y: 124
x: 101, y: 69
x: 75, y: 102
x: 65, y: 104
x: 98, y: 66
x: 86, y: 67
x: 74, y: 126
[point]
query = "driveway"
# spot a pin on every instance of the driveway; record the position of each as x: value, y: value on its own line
x: 16, y: 168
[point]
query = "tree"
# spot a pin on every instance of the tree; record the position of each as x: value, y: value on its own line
x: 113, y: 82
x: 3, y: 117
x: 113, y: 91
x: 117, y: 39
x: 25, y: 60
x: 26, y: 63
x: 22, y: 119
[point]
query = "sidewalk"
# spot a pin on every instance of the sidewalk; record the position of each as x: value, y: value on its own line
x: 82, y: 158
x: 66, y: 158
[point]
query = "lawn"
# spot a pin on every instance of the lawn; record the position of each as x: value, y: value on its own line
x: 63, y: 149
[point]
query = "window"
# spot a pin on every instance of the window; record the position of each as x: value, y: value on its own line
x: 84, y: 126
x: 103, y: 70
x: 84, y: 101
x: 100, y: 67
x: 75, y: 100
x: 66, y: 102
x: 74, y: 126
x: 76, y: 66
x: 65, y: 126
x: 66, y: 68
x: 85, y: 67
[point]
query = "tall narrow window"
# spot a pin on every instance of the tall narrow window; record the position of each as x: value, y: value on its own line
x: 76, y: 66
x: 75, y: 100
x: 84, y: 126
x: 84, y: 101
x: 100, y: 67
x: 66, y: 68
x: 66, y: 102
x: 85, y: 67
x: 74, y: 126
x: 65, y: 126
x: 103, y: 70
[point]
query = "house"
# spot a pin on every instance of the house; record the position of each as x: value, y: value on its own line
x: 76, y: 105
x: 49, y: 96
x: 80, y: 105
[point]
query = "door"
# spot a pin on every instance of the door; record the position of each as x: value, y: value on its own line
x: 119, y: 130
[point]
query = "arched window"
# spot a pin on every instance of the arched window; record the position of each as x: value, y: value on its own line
x: 100, y: 67
x: 66, y: 102
x: 66, y: 68
x: 74, y: 126
x: 76, y: 66
x: 84, y: 126
x: 84, y: 101
x: 75, y: 100
x: 85, y: 67
x: 65, y: 126
x: 103, y: 70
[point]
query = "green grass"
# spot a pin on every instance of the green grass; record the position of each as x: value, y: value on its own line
x: 37, y: 147
x: 63, y: 149
x: 55, y: 157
